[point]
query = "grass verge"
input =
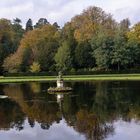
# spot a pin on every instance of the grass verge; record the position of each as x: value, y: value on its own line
x: 104, y: 77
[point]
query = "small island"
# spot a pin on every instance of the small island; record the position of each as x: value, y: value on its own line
x: 60, y: 86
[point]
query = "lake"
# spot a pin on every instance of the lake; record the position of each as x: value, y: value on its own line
x: 93, y: 111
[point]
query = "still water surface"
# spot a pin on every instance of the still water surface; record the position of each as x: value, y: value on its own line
x: 93, y: 111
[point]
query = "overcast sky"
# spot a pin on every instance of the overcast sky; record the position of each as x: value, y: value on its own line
x: 62, y: 11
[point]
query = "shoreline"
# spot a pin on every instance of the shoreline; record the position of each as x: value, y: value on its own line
x: 102, y: 77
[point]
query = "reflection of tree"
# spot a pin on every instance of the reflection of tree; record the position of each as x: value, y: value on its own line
x: 104, y: 102
x: 10, y: 115
x: 109, y: 102
x: 90, y: 109
x: 134, y: 112
x: 35, y: 87
x: 113, y: 101
x: 85, y: 121
x: 89, y: 124
x: 69, y: 106
x: 43, y: 113
x: 36, y: 109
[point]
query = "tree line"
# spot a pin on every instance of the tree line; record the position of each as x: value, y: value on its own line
x: 92, y: 40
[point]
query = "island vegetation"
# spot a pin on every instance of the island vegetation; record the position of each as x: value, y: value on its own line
x: 92, y: 41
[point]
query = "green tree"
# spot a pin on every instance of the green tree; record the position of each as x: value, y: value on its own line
x: 63, y: 57
x: 67, y: 35
x: 83, y: 56
x: 102, y: 46
x: 121, y: 53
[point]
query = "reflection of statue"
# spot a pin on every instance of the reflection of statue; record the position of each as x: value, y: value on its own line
x: 59, y: 97
x: 59, y: 101
x: 35, y: 87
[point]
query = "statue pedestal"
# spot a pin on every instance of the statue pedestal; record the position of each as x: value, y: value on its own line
x: 60, y: 86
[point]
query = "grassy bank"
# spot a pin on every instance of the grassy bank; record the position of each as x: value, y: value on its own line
x: 107, y: 77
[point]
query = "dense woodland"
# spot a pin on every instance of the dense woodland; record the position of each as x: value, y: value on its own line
x: 91, y: 41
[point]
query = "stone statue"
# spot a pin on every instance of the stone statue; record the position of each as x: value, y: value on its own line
x: 60, y: 85
x: 60, y: 82
x: 59, y: 75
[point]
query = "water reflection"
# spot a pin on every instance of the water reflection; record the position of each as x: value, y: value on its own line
x: 11, y: 115
x: 93, y: 111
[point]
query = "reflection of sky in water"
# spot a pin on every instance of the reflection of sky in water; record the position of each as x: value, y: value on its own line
x: 126, y: 131
x: 58, y: 131
x: 118, y: 101
x: 61, y: 131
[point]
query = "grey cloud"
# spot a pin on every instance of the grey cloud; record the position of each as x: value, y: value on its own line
x: 63, y: 10
x: 128, y: 12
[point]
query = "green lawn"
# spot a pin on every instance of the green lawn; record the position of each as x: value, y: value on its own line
x: 107, y: 77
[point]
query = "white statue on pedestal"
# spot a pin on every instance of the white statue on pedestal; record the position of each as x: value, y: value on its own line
x: 60, y: 82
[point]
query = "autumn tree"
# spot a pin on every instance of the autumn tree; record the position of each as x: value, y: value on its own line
x: 87, y: 24
x: 12, y: 63
x: 134, y: 43
x: 91, y: 39
x: 87, y: 27
x: 39, y: 45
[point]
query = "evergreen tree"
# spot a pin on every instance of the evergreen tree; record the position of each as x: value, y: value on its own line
x: 29, y: 25
x: 56, y: 25
x: 18, y: 33
x: 41, y: 22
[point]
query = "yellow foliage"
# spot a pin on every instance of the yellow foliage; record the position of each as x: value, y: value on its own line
x: 35, y: 67
x: 134, y: 33
x: 85, y: 32
x: 87, y: 24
